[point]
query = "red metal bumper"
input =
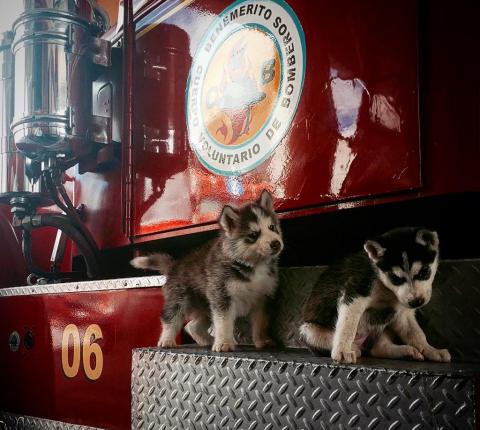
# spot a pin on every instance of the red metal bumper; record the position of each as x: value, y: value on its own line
x: 63, y: 374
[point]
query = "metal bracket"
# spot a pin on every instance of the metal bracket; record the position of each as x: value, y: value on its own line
x: 101, y: 52
x: 102, y: 94
x: 58, y: 250
x: 71, y: 120
x: 100, y: 130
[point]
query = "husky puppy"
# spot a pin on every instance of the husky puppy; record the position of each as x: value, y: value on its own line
x: 233, y: 275
x: 369, y: 299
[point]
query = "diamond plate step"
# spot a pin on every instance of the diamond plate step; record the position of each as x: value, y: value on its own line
x: 193, y: 388
x: 24, y: 422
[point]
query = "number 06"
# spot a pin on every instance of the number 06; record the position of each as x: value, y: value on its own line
x: 90, y: 347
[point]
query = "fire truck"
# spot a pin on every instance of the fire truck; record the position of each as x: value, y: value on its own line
x: 125, y: 126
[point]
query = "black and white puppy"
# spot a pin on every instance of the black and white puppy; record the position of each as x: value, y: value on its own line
x: 233, y: 275
x: 367, y: 300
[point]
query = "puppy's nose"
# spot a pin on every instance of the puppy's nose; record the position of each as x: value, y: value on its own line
x: 275, y: 245
x: 416, y: 303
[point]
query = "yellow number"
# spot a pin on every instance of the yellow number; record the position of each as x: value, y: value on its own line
x: 71, y: 371
x: 93, y: 333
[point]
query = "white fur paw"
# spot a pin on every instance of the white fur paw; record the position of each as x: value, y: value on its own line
x: 342, y: 355
x: 357, y: 351
x: 412, y: 352
x: 434, y: 354
x: 264, y: 343
x: 167, y: 343
x: 223, y: 346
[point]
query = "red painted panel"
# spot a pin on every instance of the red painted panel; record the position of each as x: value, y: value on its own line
x: 355, y: 132
x: 450, y: 96
x: 100, y: 192
x: 13, y: 270
x: 33, y: 382
x: 372, y: 46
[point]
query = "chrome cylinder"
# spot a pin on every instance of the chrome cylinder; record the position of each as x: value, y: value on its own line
x: 53, y: 47
x: 13, y: 178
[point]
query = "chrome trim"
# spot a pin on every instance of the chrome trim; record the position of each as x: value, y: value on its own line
x: 10, y: 421
x: 13, y: 177
x: 158, y: 15
x: 80, y: 10
x: 55, y: 43
x: 86, y: 286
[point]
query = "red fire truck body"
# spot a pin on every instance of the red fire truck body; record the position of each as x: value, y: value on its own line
x: 332, y: 106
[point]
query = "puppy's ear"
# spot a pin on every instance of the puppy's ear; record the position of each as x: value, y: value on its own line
x: 428, y: 238
x: 374, y: 250
x: 228, y: 219
x: 266, y: 201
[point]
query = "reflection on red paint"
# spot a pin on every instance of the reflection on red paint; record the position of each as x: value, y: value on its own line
x: 345, y: 141
x: 355, y: 134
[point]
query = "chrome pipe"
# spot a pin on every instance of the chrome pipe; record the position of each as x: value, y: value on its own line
x: 55, y: 46
x: 13, y: 170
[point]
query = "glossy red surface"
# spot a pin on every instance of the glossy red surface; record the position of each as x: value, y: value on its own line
x: 355, y: 132
x: 354, y: 140
x: 101, y: 195
x: 13, y: 270
x: 450, y: 97
x: 33, y: 382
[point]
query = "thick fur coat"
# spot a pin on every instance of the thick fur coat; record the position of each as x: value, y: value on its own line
x: 233, y: 275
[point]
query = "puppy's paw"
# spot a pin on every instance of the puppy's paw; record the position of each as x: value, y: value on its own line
x: 412, y: 352
x: 445, y: 355
x: 344, y: 355
x: 265, y: 342
x: 434, y: 354
x: 357, y: 351
x: 223, y: 346
x: 167, y: 343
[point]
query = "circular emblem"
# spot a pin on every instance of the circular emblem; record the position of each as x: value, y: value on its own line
x: 244, y: 86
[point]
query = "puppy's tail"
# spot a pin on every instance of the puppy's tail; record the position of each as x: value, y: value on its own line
x: 161, y: 262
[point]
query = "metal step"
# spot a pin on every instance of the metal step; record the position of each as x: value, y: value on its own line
x: 127, y: 312
x: 193, y: 388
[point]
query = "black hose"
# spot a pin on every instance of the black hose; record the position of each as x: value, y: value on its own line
x: 36, y: 272
x: 55, y: 188
x: 72, y: 212
x: 53, y: 192
x: 63, y: 223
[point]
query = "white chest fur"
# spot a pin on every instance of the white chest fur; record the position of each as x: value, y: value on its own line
x: 248, y: 294
x: 380, y: 299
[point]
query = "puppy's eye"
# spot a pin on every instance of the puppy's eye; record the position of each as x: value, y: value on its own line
x: 396, y: 280
x: 253, y: 236
x: 273, y: 227
x: 424, y: 273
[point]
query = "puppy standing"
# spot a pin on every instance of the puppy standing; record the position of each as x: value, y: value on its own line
x: 368, y: 299
x: 231, y: 276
